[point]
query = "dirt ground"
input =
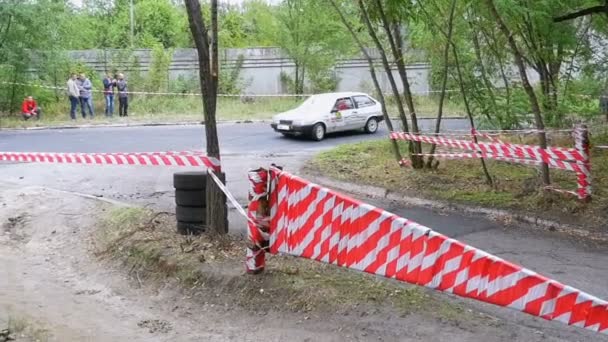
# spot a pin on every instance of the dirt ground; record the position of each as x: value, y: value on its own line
x: 55, y: 286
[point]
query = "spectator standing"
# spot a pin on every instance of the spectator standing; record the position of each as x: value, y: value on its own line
x: 109, y: 84
x: 73, y: 94
x: 123, y: 95
x: 30, y: 109
x: 86, y: 100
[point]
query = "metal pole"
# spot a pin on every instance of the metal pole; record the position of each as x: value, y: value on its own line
x: 132, y: 19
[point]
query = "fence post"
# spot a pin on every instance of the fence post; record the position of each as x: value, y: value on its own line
x: 259, y: 221
x: 581, y: 143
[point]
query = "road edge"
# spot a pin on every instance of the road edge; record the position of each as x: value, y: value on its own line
x: 152, y: 124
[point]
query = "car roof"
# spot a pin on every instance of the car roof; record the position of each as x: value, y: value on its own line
x: 342, y: 94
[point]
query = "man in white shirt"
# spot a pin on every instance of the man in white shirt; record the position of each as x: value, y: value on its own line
x: 74, y: 94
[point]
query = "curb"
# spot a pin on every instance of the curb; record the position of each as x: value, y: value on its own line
x: 135, y: 124
x: 179, y: 123
x: 492, y: 214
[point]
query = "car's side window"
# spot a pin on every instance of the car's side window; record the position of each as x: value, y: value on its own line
x: 363, y: 101
x: 345, y: 103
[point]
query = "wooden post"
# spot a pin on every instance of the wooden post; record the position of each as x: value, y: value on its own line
x: 259, y: 221
x: 581, y: 143
x: 217, y: 211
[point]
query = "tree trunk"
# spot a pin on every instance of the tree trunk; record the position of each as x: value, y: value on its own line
x: 482, y: 69
x: 444, y: 80
x: 208, y: 74
x: 13, y: 90
x: 372, y: 71
x: 417, y: 161
x: 491, y: 42
x: 407, y: 92
x: 463, y: 92
x: 484, y: 167
x: 396, y: 44
x: 296, y: 80
x: 519, y: 61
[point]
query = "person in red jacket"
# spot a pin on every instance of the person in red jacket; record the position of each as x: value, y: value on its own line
x: 30, y: 108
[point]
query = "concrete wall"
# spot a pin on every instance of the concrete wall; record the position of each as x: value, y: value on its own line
x: 261, y: 72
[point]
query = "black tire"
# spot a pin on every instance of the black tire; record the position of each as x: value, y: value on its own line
x: 194, y: 180
x: 187, y: 228
x: 371, y: 126
x: 318, y: 132
x: 190, y: 214
x: 190, y: 198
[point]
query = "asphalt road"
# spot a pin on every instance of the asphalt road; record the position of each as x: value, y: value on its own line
x: 234, y: 139
x: 576, y: 263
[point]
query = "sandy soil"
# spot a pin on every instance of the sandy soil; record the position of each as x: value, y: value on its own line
x: 50, y: 278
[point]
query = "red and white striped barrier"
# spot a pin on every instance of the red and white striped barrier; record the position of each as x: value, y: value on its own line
x: 576, y: 160
x: 136, y: 158
x: 505, y: 150
x: 258, y: 221
x: 309, y: 221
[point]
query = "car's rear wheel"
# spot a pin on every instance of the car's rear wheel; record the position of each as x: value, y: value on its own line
x: 371, y: 126
x: 318, y: 132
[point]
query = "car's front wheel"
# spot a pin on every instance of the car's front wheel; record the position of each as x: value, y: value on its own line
x: 318, y: 132
x: 371, y: 126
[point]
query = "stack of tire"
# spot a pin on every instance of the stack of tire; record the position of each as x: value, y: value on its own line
x: 190, y: 200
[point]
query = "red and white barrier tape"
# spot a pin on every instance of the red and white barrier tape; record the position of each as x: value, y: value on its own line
x: 137, y: 158
x: 474, y: 156
x: 552, y: 155
x: 259, y: 221
x: 316, y: 223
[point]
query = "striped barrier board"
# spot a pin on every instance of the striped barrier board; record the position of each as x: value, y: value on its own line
x: 138, y: 158
x: 312, y: 222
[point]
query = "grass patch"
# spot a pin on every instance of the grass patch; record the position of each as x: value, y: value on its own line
x: 168, y: 109
x: 516, y: 186
x: 211, y: 269
x: 21, y: 328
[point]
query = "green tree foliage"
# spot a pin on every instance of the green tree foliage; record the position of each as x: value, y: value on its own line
x: 310, y: 32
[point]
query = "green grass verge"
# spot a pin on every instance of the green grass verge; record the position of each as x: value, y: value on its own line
x: 22, y: 328
x: 172, y: 109
x: 462, y: 181
x: 212, y: 267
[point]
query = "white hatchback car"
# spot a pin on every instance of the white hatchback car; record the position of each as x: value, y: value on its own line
x: 327, y: 113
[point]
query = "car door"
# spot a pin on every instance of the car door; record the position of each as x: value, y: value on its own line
x: 341, y: 118
x: 366, y: 108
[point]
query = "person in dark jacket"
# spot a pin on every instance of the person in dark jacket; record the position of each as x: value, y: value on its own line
x: 109, y: 83
x: 86, y: 97
x: 123, y: 95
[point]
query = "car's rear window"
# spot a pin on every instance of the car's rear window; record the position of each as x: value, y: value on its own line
x: 363, y: 101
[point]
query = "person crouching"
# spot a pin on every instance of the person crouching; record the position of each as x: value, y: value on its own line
x: 30, y: 109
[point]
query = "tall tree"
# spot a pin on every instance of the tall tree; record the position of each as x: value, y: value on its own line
x: 391, y: 21
x: 460, y: 79
x: 415, y: 151
x: 521, y: 66
x: 309, y: 32
x: 373, y: 74
x: 207, y: 47
x: 599, y: 9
